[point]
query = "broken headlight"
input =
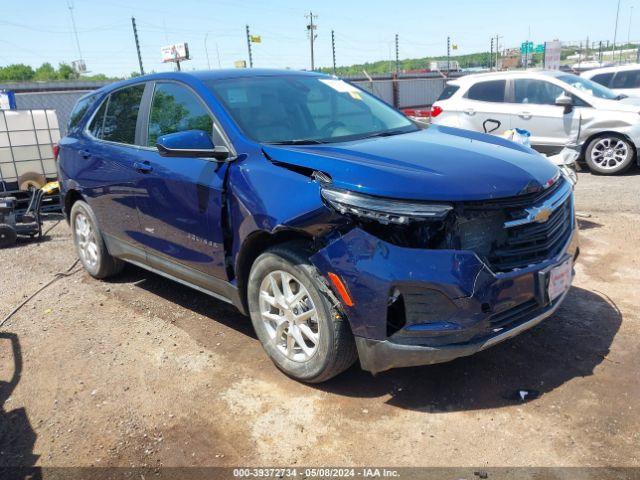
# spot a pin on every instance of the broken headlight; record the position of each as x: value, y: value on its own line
x: 383, y: 210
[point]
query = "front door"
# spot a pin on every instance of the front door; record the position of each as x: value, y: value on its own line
x: 180, y: 199
x: 534, y: 109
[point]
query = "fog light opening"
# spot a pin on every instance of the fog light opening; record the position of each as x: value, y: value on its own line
x: 396, y: 314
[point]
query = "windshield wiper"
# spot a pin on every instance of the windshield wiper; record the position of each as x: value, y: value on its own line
x: 388, y: 133
x: 300, y: 141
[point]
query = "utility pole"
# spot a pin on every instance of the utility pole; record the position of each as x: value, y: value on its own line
x: 73, y: 24
x: 333, y: 50
x: 600, y: 51
x: 218, y: 55
x: 249, y: 47
x: 397, y: 56
x: 615, y: 31
x: 206, y: 51
x: 135, y: 36
x: 497, y: 50
x: 448, y: 55
x: 491, y: 57
x: 629, y: 31
x: 311, y: 27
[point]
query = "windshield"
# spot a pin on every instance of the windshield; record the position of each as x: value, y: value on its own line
x: 297, y: 110
x: 591, y: 88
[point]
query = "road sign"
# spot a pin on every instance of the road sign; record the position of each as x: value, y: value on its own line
x: 526, y: 47
x: 256, y: 39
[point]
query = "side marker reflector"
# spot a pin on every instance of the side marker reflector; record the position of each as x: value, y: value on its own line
x: 342, y: 290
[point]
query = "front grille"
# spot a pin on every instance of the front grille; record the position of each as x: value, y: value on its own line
x: 534, y: 242
x: 483, y: 228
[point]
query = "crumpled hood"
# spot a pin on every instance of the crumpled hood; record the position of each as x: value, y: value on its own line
x: 439, y: 163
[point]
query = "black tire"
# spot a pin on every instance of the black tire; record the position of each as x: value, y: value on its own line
x: 105, y: 264
x: 597, y: 163
x: 8, y: 235
x: 335, y: 349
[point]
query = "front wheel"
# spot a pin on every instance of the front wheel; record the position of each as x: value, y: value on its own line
x: 609, y: 154
x: 295, y: 317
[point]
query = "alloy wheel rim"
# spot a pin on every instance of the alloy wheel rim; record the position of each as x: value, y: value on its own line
x: 86, y: 239
x: 289, y: 315
x: 609, y: 153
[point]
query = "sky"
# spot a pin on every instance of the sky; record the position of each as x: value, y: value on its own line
x: 37, y: 31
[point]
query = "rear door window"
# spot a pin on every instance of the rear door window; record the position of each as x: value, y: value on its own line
x: 116, y: 119
x: 448, y: 92
x: 628, y: 79
x: 603, y: 78
x: 491, y: 91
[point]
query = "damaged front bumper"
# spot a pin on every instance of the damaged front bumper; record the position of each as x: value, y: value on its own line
x: 453, y: 305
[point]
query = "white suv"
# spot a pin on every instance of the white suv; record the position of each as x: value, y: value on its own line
x: 559, y: 109
x: 623, y: 79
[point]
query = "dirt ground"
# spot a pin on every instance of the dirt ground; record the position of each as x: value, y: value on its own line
x: 140, y: 371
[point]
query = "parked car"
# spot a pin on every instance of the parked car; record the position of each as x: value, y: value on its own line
x: 622, y: 79
x: 559, y: 109
x: 340, y: 227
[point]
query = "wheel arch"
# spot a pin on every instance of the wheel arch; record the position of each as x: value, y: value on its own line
x: 70, y: 197
x: 254, y: 245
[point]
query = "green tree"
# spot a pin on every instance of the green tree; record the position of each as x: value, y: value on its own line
x: 45, y: 72
x: 66, y: 72
x: 17, y: 72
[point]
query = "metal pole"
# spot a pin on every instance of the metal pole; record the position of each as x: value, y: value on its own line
x: 249, y: 47
x: 218, y: 55
x: 135, y: 36
x: 448, y: 55
x: 73, y: 24
x: 311, y: 28
x: 206, y: 51
x: 615, y: 32
x: 629, y: 31
x: 497, y: 50
x: 600, y: 51
x: 333, y: 50
x: 397, y: 56
x: 491, y: 56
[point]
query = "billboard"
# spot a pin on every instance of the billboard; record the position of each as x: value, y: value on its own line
x: 552, y: 55
x: 175, y: 53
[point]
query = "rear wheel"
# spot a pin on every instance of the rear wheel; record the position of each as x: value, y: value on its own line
x: 609, y: 154
x: 89, y: 244
x: 295, y: 317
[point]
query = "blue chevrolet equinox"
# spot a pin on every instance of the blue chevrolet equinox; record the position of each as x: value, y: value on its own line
x: 344, y: 230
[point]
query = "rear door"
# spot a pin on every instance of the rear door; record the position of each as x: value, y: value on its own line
x: 534, y: 109
x: 106, y: 156
x: 180, y: 199
x: 484, y: 109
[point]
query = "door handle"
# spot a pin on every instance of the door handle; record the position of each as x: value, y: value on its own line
x: 525, y: 115
x: 85, y: 154
x: 143, y: 167
x: 469, y: 111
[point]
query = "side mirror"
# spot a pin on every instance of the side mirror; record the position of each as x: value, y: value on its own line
x: 190, y: 143
x: 564, y: 100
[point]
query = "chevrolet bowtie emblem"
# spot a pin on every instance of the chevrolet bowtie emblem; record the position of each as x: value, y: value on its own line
x: 542, y: 215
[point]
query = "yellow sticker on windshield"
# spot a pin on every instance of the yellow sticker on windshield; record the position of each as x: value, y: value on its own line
x: 355, y: 95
